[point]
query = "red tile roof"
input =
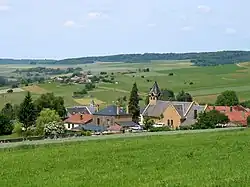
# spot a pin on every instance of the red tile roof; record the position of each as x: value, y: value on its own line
x: 227, y: 108
x: 79, y: 119
x: 238, y: 114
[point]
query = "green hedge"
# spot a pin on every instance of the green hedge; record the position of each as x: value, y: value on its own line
x: 20, y: 139
x: 157, y: 129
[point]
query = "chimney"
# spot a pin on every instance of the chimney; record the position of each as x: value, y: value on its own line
x: 81, y: 117
x: 117, y: 109
x: 127, y: 109
x: 97, y: 108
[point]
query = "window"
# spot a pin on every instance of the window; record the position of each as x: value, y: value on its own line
x: 72, y: 126
x: 108, y: 122
x: 195, y: 114
x: 172, y: 122
x: 68, y: 126
x: 168, y: 122
x: 98, y: 121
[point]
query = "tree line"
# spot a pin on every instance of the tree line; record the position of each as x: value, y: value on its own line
x: 31, y: 117
x: 199, y: 59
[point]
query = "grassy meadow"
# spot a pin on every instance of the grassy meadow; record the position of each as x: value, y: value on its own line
x: 202, y: 159
x: 208, y: 82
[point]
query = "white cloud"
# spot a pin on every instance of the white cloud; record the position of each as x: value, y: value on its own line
x: 4, y: 5
x: 151, y: 25
x: 69, y: 23
x: 230, y: 31
x: 204, y: 8
x: 187, y: 28
x: 96, y: 15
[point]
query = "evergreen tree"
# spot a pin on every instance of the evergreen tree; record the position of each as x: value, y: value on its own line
x: 27, y: 113
x: 133, y: 105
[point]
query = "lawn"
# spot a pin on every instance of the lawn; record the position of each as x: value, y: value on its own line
x: 204, y: 159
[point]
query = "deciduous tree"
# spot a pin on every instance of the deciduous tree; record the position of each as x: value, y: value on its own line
x: 184, y: 96
x: 46, y: 116
x: 49, y: 100
x: 6, y: 125
x: 209, y: 120
x: 8, y: 111
x: 227, y: 98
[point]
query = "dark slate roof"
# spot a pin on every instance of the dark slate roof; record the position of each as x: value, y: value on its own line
x: 91, y: 127
x: 80, y: 109
x: 111, y: 111
x: 155, y: 89
x: 160, y: 106
x: 127, y: 123
x: 142, y: 109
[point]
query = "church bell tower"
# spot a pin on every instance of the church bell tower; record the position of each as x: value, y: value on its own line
x: 154, y: 94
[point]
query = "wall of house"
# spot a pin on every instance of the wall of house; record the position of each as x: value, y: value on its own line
x: 112, y: 119
x: 191, y: 112
x: 170, y: 115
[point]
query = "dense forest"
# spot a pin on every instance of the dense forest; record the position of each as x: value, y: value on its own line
x: 199, y: 59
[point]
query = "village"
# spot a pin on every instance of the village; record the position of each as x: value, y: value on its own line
x: 163, y: 115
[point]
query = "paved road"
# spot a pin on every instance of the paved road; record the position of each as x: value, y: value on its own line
x: 105, y: 137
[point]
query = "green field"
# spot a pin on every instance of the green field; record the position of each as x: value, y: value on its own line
x: 203, y: 159
x: 208, y: 82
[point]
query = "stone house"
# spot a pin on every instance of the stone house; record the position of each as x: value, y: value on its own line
x: 111, y: 115
x: 170, y: 113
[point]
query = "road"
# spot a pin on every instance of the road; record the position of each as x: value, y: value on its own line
x: 105, y: 137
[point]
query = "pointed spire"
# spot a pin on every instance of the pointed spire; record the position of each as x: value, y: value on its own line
x: 155, y: 89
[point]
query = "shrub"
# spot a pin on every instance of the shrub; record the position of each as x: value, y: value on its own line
x: 142, y: 76
x: 186, y: 127
x: 86, y: 133
x: 248, y: 121
x: 54, y: 129
x: 17, y: 128
x: 10, y: 91
x: 191, y: 83
x: 170, y: 74
x: 158, y: 129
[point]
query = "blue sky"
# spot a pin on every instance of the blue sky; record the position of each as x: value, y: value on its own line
x: 75, y: 28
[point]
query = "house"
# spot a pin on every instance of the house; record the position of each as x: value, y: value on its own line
x: 112, y: 115
x: 92, y: 108
x: 236, y: 114
x: 170, y: 113
x: 77, y: 120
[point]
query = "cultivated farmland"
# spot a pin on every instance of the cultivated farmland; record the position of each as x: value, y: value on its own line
x: 205, y: 159
x: 203, y: 83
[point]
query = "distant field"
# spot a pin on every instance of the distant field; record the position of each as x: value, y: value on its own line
x: 192, y: 160
x: 208, y: 82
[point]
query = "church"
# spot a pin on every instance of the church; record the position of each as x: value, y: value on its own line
x: 170, y: 113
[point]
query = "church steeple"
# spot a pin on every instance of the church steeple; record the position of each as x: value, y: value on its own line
x: 154, y: 94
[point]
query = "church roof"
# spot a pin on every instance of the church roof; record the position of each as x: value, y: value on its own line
x: 155, y: 89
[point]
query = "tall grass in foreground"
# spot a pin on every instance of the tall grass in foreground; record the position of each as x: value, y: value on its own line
x: 209, y: 159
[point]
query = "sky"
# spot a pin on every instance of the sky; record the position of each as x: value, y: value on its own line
x: 75, y: 28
